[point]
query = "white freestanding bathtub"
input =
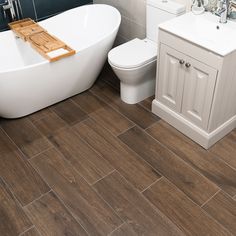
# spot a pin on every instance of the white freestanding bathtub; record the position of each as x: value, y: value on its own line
x: 28, y: 82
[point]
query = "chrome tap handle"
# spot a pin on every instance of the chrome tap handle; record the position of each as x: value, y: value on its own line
x: 13, y: 7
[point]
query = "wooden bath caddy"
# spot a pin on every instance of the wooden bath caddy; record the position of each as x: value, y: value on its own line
x: 44, y: 43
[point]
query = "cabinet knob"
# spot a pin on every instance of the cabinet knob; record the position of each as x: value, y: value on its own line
x: 187, y: 65
x: 181, y: 62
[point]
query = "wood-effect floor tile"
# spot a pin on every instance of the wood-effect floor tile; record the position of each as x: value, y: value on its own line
x: 69, y: 112
x: 21, y: 178
x: 112, y: 120
x: 129, y: 204
x: 208, y: 164
x: 25, y: 136
x: 147, y: 103
x: 130, y: 165
x: 32, y: 232
x: 189, y: 217
x: 88, y: 102
x: 223, y: 208
x: 107, y: 75
x: 226, y: 149
x: 40, y: 114
x: 50, y: 124
x: 84, y: 159
x: 13, y: 220
x: 51, y: 217
x: 124, y: 230
x: 136, y: 113
x: 96, y: 217
x: 193, y: 184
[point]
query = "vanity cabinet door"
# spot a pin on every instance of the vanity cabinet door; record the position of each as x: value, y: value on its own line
x: 198, y: 94
x: 171, y: 77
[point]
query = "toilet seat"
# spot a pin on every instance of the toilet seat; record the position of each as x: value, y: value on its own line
x: 133, y: 54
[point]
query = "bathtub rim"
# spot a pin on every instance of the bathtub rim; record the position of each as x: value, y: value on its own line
x: 45, y: 61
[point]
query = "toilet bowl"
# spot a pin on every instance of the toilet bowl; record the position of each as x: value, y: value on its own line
x: 134, y: 63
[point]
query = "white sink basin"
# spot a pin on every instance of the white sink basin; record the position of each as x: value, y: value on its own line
x: 205, y: 31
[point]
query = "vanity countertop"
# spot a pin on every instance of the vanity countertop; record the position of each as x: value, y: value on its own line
x: 204, y: 30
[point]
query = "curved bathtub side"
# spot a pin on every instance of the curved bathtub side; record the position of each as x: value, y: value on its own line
x: 25, y: 91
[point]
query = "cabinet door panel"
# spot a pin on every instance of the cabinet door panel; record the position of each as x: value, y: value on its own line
x: 171, y: 78
x: 198, y: 92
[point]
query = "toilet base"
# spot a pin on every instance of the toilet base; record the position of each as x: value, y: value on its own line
x: 132, y: 94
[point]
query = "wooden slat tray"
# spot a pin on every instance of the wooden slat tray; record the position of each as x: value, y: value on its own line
x: 44, y: 43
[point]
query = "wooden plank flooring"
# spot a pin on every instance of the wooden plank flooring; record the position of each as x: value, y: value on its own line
x: 93, y: 165
x: 193, y: 184
x: 13, y: 219
x: 31, y: 232
x: 190, y: 218
x: 208, y: 164
x: 51, y: 217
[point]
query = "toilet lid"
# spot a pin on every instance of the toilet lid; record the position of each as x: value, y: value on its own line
x: 134, y: 53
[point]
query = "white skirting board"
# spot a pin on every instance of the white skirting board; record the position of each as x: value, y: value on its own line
x: 205, y: 139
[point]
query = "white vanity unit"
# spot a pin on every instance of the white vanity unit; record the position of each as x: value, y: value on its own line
x: 196, y: 79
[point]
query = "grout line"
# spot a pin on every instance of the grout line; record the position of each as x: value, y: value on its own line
x: 63, y: 157
x: 69, y: 211
x: 136, y: 155
x: 146, y: 131
x: 116, y: 229
x: 195, y: 204
x: 151, y: 184
x: 124, y: 131
x: 38, y: 154
x: 209, y: 151
x: 90, y: 115
x: 219, y: 187
x: 36, y: 199
x: 183, y: 161
x: 139, y: 157
x: 222, y: 160
x: 157, y: 211
x: 24, y: 159
x: 210, y: 198
x: 22, y: 233
x: 112, y: 105
x: 150, y: 110
x: 43, y: 116
x: 107, y: 203
x: 51, y: 189
x: 150, y: 126
x: 103, y: 177
x: 20, y: 205
x: 16, y: 200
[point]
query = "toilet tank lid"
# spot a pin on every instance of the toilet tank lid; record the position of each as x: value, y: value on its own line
x: 167, y: 5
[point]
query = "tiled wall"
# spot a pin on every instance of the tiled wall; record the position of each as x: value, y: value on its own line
x: 133, y: 17
x: 40, y: 9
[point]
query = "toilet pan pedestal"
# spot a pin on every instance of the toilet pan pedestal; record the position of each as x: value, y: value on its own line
x: 132, y: 94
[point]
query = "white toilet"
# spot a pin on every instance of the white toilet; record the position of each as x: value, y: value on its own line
x: 135, y: 61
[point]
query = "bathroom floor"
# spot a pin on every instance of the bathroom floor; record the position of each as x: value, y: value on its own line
x: 92, y: 165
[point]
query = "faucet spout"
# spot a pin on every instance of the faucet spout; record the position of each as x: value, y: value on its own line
x: 223, y: 10
x: 12, y: 10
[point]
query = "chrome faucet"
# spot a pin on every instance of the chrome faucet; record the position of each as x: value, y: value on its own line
x: 223, y: 10
x: 12, y: 10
